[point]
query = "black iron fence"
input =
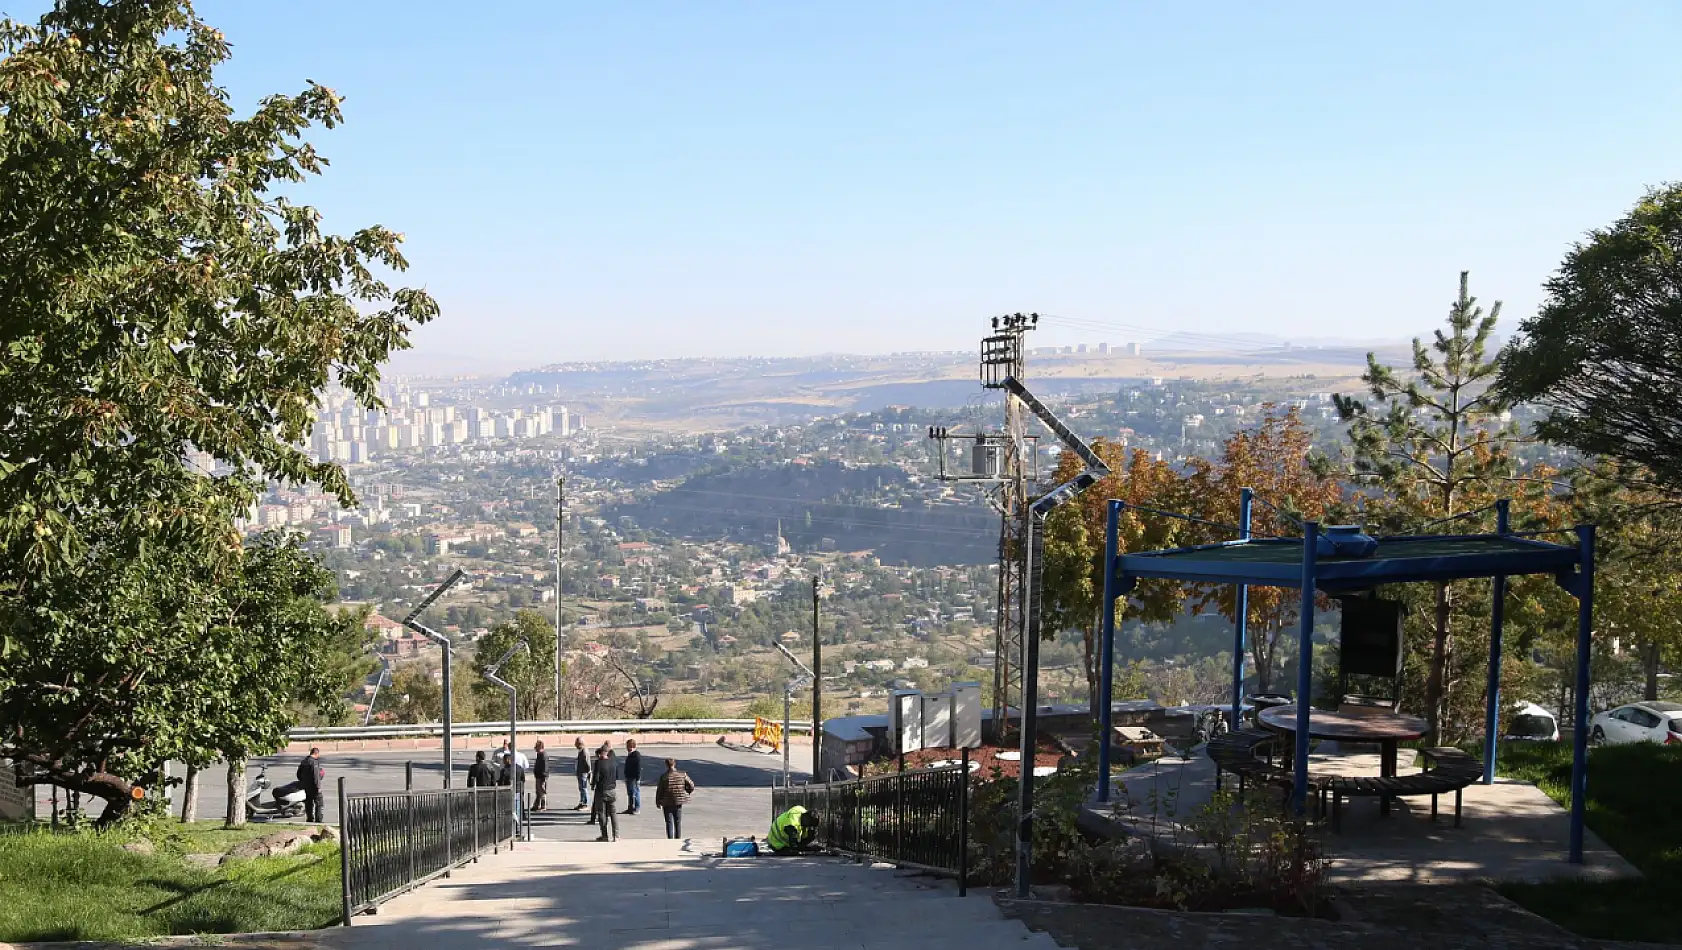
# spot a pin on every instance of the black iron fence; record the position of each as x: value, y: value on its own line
x: 395, y: 841
x: 918, y: 818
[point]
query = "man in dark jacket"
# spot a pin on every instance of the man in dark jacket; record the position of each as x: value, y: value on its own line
x: 312, y: 776
x: 633, y: 777
x: 671, y: 793
x: 480, y: 774
x: 582, y: 768
x: 605, y: 778
x: 540, y: 772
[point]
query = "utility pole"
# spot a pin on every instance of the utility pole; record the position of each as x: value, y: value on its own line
x: 817, y: 689
x: 1004, y: 459
x: 560, y: 537
x: 794, y: 685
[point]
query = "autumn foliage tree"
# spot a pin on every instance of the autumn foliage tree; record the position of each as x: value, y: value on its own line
x: 1274, y: 460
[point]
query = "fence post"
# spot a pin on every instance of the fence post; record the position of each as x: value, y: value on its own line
x: 963, y: 826
x: 899, y: 814
x: 475, y: 797
x: 344, y: 852
x: 449, y: 833
x: 408, y: 776
x: 409, y: 803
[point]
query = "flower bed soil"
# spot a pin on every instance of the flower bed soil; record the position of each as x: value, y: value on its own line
x: 1047, y: 755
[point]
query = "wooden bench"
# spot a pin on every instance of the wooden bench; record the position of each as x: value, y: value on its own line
x: 1240, y: 753
x: 1449, y: 770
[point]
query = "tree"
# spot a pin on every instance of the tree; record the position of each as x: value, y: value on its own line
x: 120, y: 687
x: 1273, y: 459
x: 530, y: 670
x: 1600, y: 353
x: 1073, y: 548
x: 1432, y: 444
x: 156, y: 298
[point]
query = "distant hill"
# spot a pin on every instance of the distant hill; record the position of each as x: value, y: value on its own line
x: 846, y: 505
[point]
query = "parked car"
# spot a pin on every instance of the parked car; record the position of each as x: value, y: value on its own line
x: 1638, y: 722
x: 1528, y: 721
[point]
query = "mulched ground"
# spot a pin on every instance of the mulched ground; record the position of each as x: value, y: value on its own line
x: 1048, y: 755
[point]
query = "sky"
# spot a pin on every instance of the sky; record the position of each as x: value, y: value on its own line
x: 666, y: 179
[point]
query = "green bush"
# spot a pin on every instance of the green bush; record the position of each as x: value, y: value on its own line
x: 1232, y: 852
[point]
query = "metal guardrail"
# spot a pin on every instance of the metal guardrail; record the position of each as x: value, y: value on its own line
x: 392, y: 842
x: 435, y: 729
x: 918, y: 818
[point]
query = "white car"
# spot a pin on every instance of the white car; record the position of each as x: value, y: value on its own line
x: 1638, y: 722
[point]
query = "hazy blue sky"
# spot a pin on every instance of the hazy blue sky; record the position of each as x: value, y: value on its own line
x: 672, y: 178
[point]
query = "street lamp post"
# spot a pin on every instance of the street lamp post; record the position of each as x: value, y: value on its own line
x: 413, y: 623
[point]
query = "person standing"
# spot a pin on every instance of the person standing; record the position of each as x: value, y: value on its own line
x: 671, y: 793
x: 633, y: 778
x: 540, y: 773
x: 582, y: 769
x: 480, y: 774
x: 606, y: 780
x: 312, y: 776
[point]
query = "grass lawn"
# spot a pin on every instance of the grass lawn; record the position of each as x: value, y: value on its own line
x: 1635, y: 805
x: 85, y: 887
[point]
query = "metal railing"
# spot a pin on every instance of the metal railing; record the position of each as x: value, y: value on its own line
x: 917, y: 819
x: 428, y: 730
x: 392, y: 842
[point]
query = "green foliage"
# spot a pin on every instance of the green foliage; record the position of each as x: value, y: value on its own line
x: 1228, y: 853
x: 119, y: 896
x: 156, y: 297
x: 1600, y: 353
x: 108, y: 687
x: 530, y: 669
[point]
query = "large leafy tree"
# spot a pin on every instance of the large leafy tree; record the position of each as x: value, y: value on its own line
x: 1274, y: 459
x: 157, y: 295
x: 531, y: 670
x: 1601, y: 352
x: 1430, y: 439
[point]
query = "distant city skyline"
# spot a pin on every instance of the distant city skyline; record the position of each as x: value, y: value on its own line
x: 663, y: 180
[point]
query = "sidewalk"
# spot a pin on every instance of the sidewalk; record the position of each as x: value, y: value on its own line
x: 668, y: 895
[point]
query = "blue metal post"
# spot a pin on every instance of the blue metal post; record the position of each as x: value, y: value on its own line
x: 1106, y: 666
x: 1580, y: 719
x: 1492, y: 689
x: 1242, y: 609
x: 1305, y: 665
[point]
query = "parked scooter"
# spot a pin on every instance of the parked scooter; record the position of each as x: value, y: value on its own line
x: 288, y: 799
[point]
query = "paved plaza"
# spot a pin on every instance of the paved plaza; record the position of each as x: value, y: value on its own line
x: 678, y: 895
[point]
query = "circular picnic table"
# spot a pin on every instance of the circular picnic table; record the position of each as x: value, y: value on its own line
x: 1380, y: 726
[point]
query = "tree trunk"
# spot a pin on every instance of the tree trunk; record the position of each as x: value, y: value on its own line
x: 1436, y: 692
x: 1090, y: 644
x: 1650, y: 667
x: 236, y: 793
x: 117, y: 792
x: 190, y: 796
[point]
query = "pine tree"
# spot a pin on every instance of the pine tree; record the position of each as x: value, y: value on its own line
x: 1429, y: 441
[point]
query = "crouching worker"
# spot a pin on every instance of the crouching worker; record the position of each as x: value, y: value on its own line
x: 792, y: 831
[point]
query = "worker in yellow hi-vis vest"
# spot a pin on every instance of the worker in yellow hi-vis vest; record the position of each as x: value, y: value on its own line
x: 792, y: 830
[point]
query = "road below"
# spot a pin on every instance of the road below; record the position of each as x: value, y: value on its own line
x: 733, y: 788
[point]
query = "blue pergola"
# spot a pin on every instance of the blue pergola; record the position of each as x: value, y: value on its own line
x: 1298, y: 563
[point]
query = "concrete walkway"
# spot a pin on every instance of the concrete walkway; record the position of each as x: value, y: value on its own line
x: 671, y: 895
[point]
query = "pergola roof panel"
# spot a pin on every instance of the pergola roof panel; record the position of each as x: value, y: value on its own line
x: 1277, y: 562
